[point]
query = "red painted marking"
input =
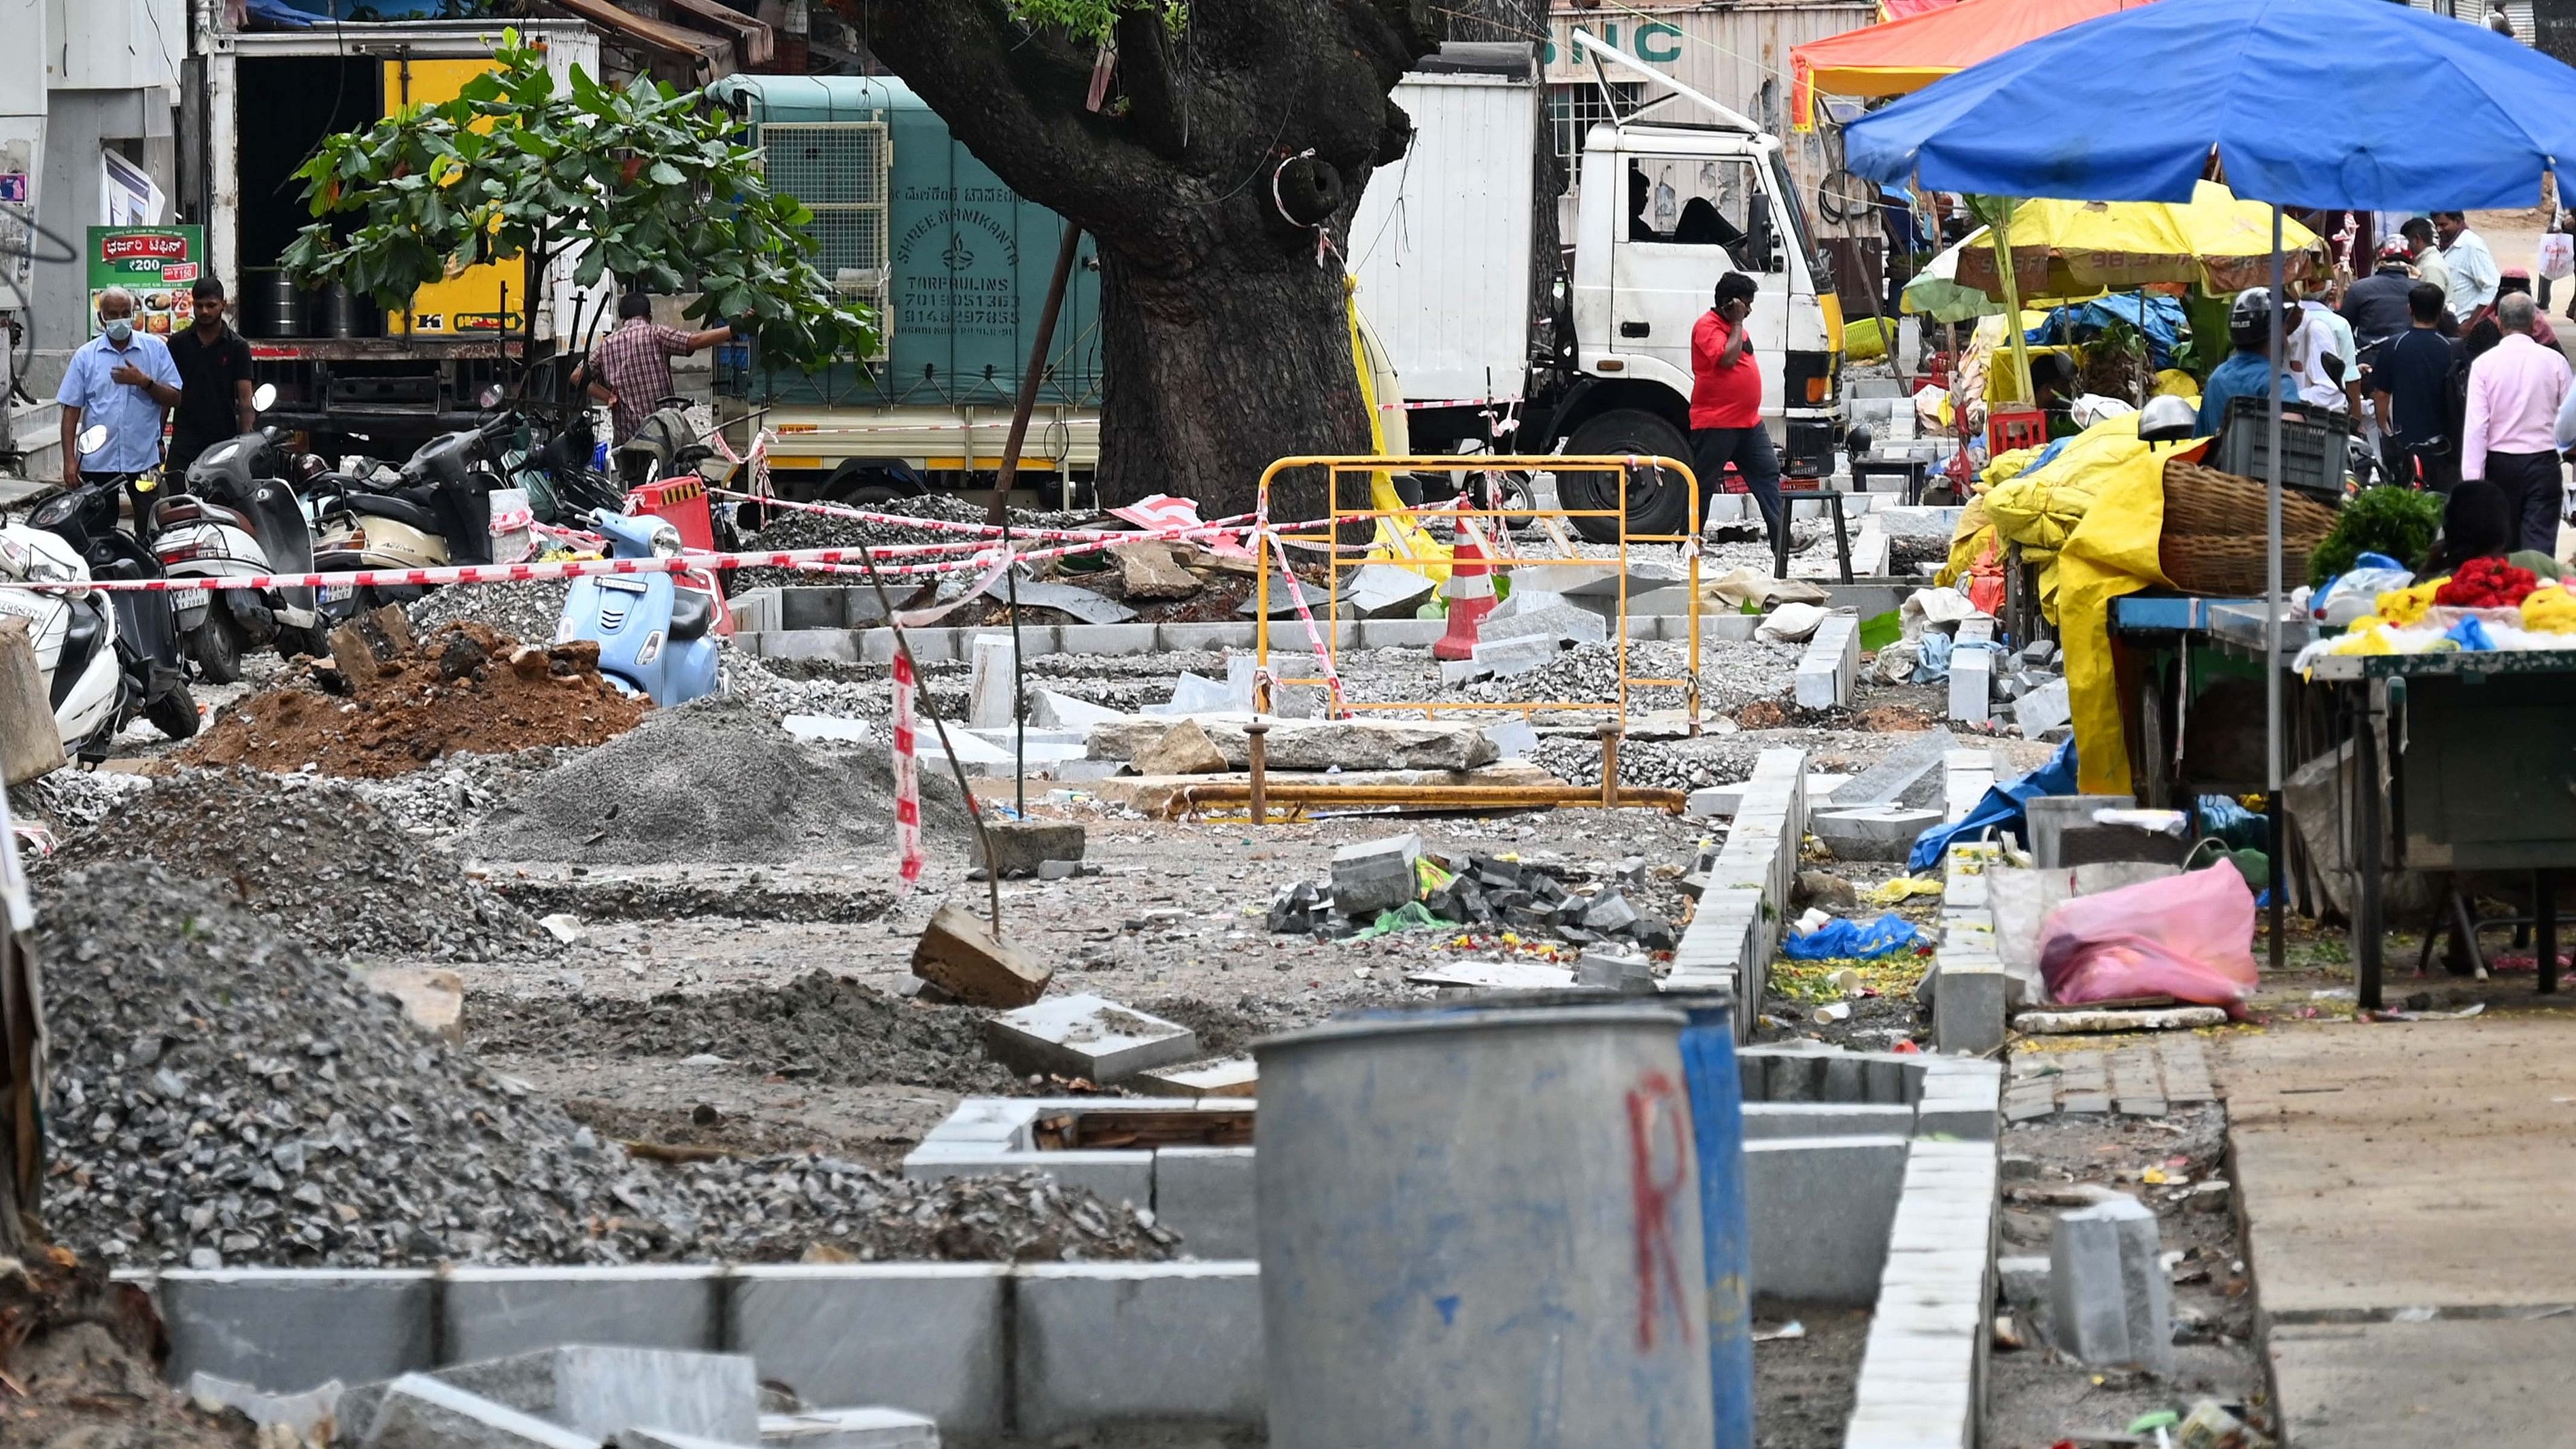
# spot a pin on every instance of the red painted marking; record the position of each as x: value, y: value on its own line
x: 1655, y: 1102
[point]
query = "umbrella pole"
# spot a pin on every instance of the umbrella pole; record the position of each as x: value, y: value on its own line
x: 2272, y: 608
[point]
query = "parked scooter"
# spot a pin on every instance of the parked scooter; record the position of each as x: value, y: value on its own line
x: 239, y: 517
x: 106, y: 657
x: 655, y: 633
x: 437, y: 514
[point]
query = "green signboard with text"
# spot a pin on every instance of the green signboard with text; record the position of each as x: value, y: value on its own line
x: 156, y: 264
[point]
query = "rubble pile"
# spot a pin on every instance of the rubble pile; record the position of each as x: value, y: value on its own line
x: 465, y: 689
x: 77, y: 1353
x: 1483, y: 893
x: 67, y: 799
x: 527, y: 609
x: 218, y: 1095
x: 1643, y: 764
x: 314, y: 859
x: 712, y: 780
x: 819, y: 1026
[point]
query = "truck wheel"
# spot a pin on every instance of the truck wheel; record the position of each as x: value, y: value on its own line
x: 311, y: 643
x: 217, y: 646
x: 1656, y: 503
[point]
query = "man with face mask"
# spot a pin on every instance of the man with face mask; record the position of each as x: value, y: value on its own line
x: 124, y: 381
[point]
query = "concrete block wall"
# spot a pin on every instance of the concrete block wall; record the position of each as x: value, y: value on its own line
x: 1968, y: 982
x: 1831, y: 666
x: 1966, y: 776
x: 1810, y: 1092
x: 1923, y: 1373
x: 1731, y: 937
x: 1972, y: 674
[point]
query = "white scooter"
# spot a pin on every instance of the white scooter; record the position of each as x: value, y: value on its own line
x: 106, y: 658
x: 238, y: 518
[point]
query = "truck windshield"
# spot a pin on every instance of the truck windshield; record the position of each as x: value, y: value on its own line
x: 1795, y: 212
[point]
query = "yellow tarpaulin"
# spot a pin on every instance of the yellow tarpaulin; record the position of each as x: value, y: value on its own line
x: 2111, y: 553
x: 1398, y: 540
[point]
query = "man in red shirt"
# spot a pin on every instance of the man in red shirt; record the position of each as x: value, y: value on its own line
x: 1726, y: 400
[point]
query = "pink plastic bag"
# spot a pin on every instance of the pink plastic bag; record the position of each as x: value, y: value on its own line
x: 2190, y: 937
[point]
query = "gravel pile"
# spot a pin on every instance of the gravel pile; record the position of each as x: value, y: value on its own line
x: 219, y: 1096
x: 315, y: 859
x: 441, y: 801
x: 713, y: 780
x: 529, y: 610
x: 67, y: 799
x: 1648, y: 764
x: 820, y: 1026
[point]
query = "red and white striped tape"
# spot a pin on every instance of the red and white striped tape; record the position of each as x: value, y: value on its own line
x: 1323, y: 656
x: 907, y: 780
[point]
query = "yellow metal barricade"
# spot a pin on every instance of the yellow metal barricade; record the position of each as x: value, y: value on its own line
x: 1339, y: 557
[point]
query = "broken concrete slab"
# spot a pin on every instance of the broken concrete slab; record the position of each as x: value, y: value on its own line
x: 1181, y: 749
x: 1287, y: 701
x: 992, y: 677
x: 1232, y: 1077
x: 1966, y: 777
x: 1880, y: 832
x: 2043, y: 709
x: 419, y: 1412
x: 1020, y: 846
x: 1281, y: 604
x: 1146, y: 571
x: 960, y: 956
x: 1198, y: 694
x: 1904, y: 776
x: 873, y: 1428
x: 1087, y: 1036
x: 599, y: 1391
x: 1505, y: 657
x: 1386, y: 591
x: 1556, y: 620
x: 1063, y: 711
x: 1375, y: 875
x: 1081, y: 603
x: 1493, y: 976
x: 432, y: 998
x: 812, y: 728
x: 1512, y: 737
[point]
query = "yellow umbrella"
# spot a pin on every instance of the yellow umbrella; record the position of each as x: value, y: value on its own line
x: 2084, y: 248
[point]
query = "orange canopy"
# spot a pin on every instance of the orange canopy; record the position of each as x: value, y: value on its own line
x: 1903, y: 56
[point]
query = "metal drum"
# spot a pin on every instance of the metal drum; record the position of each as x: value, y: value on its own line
x: 1482, y: 1227
x: 275, y: 305
x: 338, y: 312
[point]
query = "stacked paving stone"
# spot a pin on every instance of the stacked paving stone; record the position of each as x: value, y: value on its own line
x: 1747, y: 889
x: 1923, y: 1373
x: 1968, y: 978
x: 1831, y: 665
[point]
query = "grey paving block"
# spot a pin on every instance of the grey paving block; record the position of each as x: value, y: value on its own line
x: 1087, y: 1036
x: 495, y: 1312
x: 599, y: 1390
x: 2109, y: 1301
x: 286, y: 1330
x: 1767, y: 1120
x: 1968, y: 1004
x: 1205, y: 1195
x: 1109, y: 638
x: 874, y: 1428
x: 1137, y: 1343
x: 928, y: 1337
x: 1819, y: 1210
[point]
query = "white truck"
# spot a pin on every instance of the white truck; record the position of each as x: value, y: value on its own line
x: 1441, y: 245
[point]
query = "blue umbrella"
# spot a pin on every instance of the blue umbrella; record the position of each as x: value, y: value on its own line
x: 2324, y: 103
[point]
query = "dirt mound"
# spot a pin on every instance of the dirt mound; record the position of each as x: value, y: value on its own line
x: 315, y: 859
x: 219, y: 1096
x: 78, y: 1352
x: 820, y: 1026
x: 467, y: 689
x: 713, y: 780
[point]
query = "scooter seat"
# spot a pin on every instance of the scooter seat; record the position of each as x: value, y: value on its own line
x: 397, y: 510
x: 180, y: 509
x: 693, y: 612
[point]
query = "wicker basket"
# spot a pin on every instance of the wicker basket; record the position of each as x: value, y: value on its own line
x: 2214, y: 529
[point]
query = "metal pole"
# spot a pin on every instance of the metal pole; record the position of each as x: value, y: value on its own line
x: 1610, y: 765
x: 1256, y: 750
x: 1000, y: 512
x: 2272, y: 608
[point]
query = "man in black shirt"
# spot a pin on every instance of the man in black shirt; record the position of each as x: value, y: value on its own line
x: 2376, y: 305
x: 2408, y: 387
x: 214, y: 384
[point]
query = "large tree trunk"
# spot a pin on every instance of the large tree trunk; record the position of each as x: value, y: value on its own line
x: 1224, y: 341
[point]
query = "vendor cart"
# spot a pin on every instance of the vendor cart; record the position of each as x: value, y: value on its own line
x: 2463, y: 761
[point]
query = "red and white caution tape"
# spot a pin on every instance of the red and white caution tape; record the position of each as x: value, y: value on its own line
x: 907, y: 780
x: 570, y: 568
x: 1323, y: 656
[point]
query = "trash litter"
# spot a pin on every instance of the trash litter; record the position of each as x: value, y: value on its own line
x: 2210, y: 1426
x: 1880, y: 630
x: 2189, y: 937
x: 2002, y: 807
x: 1903, y: 888
x: 1791, y: 623
x: 1842, y: 939
x: 1411, y: 916
x: 1791, y: 1329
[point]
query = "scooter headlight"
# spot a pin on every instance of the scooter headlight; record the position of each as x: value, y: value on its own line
x: 666, y: 539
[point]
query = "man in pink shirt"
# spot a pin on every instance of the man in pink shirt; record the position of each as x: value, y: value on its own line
x: 2510, y: 436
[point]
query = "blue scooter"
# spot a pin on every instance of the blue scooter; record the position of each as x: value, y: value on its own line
x: 655, y: 635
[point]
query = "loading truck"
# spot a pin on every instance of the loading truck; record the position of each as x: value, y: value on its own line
x: 1677, y: 190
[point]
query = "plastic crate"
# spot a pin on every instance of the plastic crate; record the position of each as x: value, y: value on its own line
x: 2316, y: 446
x: 2011, y: 428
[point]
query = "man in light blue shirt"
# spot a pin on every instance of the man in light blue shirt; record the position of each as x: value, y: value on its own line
x: 124, y: 381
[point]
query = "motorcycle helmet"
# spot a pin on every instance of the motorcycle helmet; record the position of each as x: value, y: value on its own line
x: 2167, y: 419
x: 2252, y: 308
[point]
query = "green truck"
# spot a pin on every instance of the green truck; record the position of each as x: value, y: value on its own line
x: 957, y: 265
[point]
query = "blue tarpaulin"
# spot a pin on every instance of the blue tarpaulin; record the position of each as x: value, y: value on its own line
x: 2157, y: 317
x: 2325, y: 103
x: 2001, y: 809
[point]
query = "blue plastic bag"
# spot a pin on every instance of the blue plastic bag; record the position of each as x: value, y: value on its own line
x: 1841, y: 939
x: 2469, y: 634
x: 2000, y: 809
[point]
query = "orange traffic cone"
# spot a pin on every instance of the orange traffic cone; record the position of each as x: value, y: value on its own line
x: 1470, y: 592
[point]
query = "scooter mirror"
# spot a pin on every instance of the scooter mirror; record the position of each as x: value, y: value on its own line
x: 263, y: 397
x: 92, y: 438
x: 491, y: 395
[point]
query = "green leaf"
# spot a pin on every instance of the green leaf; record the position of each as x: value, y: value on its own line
x: 663, y: 173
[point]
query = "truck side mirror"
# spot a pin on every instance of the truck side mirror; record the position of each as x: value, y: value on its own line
x: 1762, y: 243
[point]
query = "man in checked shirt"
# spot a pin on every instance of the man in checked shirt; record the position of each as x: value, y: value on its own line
x: 630, y: 368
